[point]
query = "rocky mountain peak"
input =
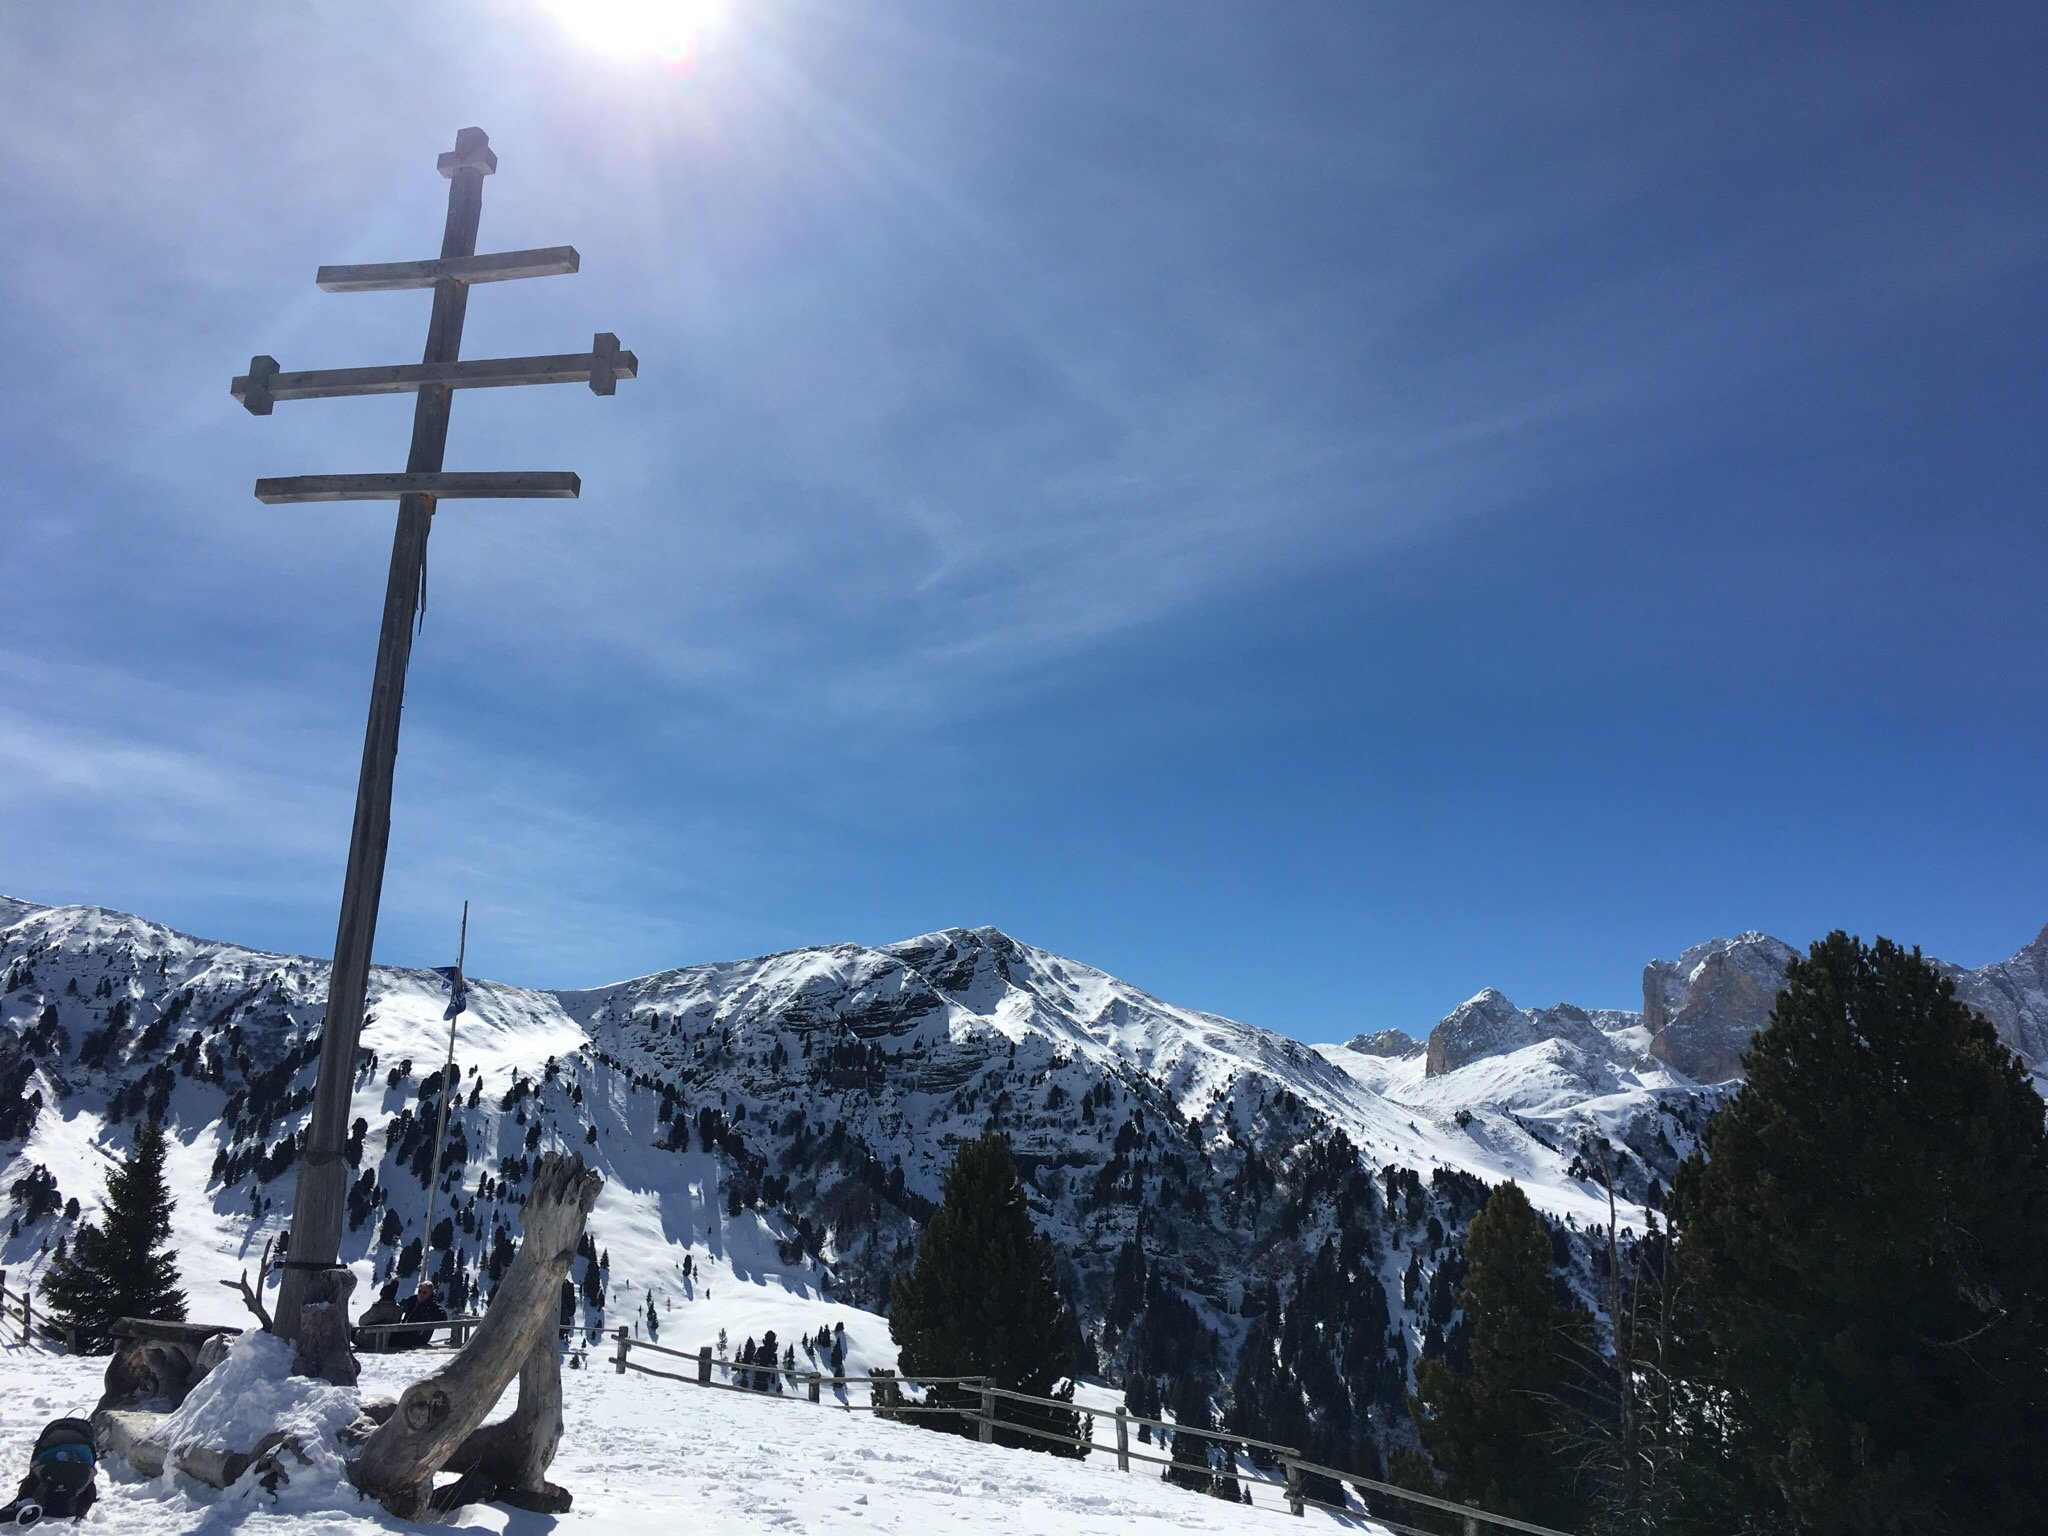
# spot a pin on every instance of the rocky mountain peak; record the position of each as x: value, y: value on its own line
x: 1701, y: 1008
x: 1490, y: 1025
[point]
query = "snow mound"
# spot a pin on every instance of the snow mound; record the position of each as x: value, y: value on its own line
x: 251, y: 1396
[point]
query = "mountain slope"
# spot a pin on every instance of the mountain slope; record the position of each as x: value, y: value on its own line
x: 773, y: 1131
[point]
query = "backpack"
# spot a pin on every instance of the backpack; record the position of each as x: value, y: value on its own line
x: 60, y: 1482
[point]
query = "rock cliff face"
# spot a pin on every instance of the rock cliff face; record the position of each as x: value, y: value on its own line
x: 2013, y: 995
x: 1386, y: 1042
x: 1701, y: 1008
x: 1490, y: 1025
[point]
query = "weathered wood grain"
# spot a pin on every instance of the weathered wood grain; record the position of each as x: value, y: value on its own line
x: 259, y: 388
x: 439, y: 1415
x: 512, y: 484
x: 498, y: 267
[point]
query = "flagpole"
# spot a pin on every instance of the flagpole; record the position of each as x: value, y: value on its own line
x: 457, y: 988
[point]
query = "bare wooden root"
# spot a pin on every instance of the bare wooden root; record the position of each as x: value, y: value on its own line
x: 436, y: 1427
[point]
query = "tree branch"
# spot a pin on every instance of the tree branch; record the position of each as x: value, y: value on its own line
x: 252, y: 1298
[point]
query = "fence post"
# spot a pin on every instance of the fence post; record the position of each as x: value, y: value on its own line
x: 988, y: 1412
x: 1123, y: 1439
x: 26, y: 1332
x: 1294, y: 1492
x: 1472, y: 1521
x: 704, y: 1365
x: 814, y: 1386
x: 619, y: 1361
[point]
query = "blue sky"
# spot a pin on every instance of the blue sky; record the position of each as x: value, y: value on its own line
x: 1313, y: 508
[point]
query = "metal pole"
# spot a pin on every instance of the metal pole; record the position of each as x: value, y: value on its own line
x: 317, y: 1202
x: 447, y: 1093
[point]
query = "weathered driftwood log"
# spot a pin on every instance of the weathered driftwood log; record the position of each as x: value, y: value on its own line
x: 155, y: 1364
x: 438, y: 1414
x: 508, y: 1461
x: 132, y: 1435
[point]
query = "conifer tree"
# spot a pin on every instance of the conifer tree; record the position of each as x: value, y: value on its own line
x: 1191, y: 1454
x: 118, y: 1265
x: 1495, y: 1431
x: 983, y: 1299
x: 1863, y: 1255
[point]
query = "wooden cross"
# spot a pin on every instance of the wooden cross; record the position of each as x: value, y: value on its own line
x: 323, y: 1171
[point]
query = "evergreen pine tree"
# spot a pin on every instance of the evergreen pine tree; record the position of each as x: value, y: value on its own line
x: 982, y: 1298
x: 1191, y: 1453
x: 1862, y: 1251
x: 118, y: 1265
x: 1495, y: 1431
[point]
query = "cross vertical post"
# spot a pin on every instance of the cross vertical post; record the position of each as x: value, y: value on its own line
x: 317, y: 1207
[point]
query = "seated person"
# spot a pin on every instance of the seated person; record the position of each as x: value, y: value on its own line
x: 423, y: 1308
x: 385, y: 1309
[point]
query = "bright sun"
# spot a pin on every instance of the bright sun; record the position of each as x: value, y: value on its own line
x: 667, y: 29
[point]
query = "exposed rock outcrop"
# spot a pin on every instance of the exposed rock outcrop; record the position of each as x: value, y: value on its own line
x: 1490, y: 1025
x: 1701, y: 1008
x: 1386, y: 1042
x: 2013, y: 995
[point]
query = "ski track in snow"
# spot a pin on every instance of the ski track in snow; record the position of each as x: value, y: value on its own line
x: 645, y: 1456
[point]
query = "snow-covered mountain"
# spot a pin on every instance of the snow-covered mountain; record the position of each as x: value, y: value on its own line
x: 779, y: 1127
x: 1700, y: 1010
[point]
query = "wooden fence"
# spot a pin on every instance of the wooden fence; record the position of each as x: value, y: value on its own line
x: 884, y: 1394
x: 18, y: 1311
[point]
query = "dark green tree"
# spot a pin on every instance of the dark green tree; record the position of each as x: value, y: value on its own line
x: 119, y: 1265
x: 983, y: 1299
x: 1495, y: 1432
x: 1863, y: 1247
x: 1199, y: 1462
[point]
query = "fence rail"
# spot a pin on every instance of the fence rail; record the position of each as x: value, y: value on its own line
x: 18, y: 1308
x: 884, y: 1397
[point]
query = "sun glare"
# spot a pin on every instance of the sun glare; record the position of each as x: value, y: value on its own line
x: 668, y: 30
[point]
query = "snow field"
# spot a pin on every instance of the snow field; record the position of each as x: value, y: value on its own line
x: 644, y: 1456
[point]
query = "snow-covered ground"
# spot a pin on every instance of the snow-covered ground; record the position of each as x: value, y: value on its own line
x: 644, y: 1456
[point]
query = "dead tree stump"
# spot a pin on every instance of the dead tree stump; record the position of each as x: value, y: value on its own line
x: 321, y: 1348
x: 437, y: 1423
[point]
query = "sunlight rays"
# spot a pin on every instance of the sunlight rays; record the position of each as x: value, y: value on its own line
x: 669, y: 30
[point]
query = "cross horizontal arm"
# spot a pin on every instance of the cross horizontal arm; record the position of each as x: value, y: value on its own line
x: 263, y: 385
x: 509, y: 483
x: 499, y: 267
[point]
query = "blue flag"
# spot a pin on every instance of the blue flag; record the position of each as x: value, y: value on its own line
x: 458, y: 988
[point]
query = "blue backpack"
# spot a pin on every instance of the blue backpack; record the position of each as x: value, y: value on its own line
x: 60, y: 1482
